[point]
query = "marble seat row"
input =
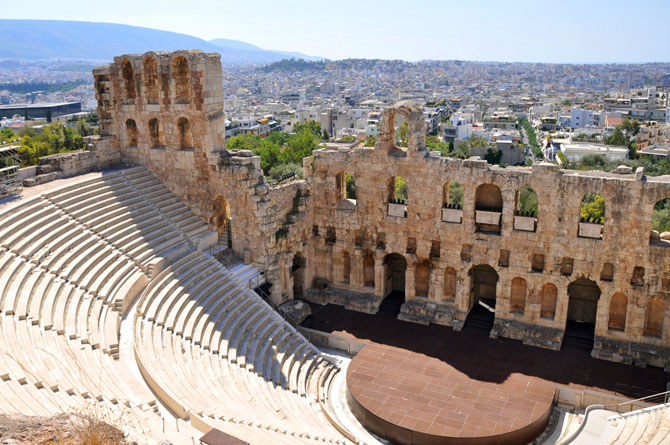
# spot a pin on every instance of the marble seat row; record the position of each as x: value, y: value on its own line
x: 647, y: 426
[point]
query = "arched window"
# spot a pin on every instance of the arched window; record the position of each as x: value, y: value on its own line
x: 184, y: 131
x: 369, y: 270
x: 397, y: 193
x: 618, y: 308
x: 653, y: 323
x: 155, y: 133
x: 346, y: 267
x: 452, y: 195
x: 488, y: 208
x: 592, y: 216
x: 131, y: 133
x: 548, y: 301
x: 525, y: 213
x: 449, y: 283
x: 151, y: 80
x: 422, y: 279
x: 517, y: 299
x: 346, y: 187
x: 660, y: 220
x: 182, y: 80
x: 128, y: 77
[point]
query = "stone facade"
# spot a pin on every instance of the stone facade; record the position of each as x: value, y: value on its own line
x: 165, y: 112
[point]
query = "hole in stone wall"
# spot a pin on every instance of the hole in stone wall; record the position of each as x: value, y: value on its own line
x: 466, y: 253
x: 381, y: 241
x: 566, y: 266
x: 185, y: 135
x: 359, y: 237
x: 592, y: 216
x: 452, y: 196
x: 346, y: 267
x: 537, y: 262
x: 638, y: 276
x: 151, y: 80
x: 607, y: 274
x: 411, y: 245
x: 488, y: 208
x: 369, y: 270
x: 131, y: 133
x: 155, y: 133
x: 435, y: 249
x: 331, y: 236
x: 128, y: 77
x: 315, y: 230
x: 503, y: 258
x: 660, y: 217
x: 182, y: 80
x: 397, y: 190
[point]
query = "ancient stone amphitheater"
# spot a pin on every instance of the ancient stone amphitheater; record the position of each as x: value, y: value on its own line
x: 114, y: 300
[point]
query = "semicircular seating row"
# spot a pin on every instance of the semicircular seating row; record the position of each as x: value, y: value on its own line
x: 71, y: 263
x: 649, y: 426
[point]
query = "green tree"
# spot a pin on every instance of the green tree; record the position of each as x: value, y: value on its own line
x: 370, y: 141
x: 6, y: 135
x: 567, y: 102
x: 493, y: 156
x: 350, y: 186
x: 313, y: 126
x: 527, y: 201
x: 593, y: 208
x: 618, y: 137
x: 455, y: 195
x: 660, y: 218
x: 400, y: 189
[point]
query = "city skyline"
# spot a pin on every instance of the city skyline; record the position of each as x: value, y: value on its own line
x: 593, y: 32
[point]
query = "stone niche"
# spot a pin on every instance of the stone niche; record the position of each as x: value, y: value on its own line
x: 487, y: 217
x: 590, y: 230
x: 525, y: 223
x: 452, y: 215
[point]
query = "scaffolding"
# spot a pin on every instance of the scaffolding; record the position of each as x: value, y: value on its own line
x: 10, y: 181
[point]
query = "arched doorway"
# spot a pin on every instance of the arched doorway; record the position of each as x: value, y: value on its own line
x: 483, y: 285
x: 395, y: 267
x: 221, y: 220
x: 583, y: 296
x: 298, y: 274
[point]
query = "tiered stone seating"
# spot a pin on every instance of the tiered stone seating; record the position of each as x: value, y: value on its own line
x: 234, y: 332
x: 72, y: 262
x: 649, y: 426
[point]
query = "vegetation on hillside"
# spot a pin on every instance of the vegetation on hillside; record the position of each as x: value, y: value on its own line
x: 651, y: 165
x: 30, y: 87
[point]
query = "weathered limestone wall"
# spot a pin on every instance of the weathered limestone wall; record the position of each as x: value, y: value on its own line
x: 423, y: 237
x: 165, y: 111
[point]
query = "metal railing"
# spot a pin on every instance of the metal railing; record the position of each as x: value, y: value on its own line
x: 654, y: 399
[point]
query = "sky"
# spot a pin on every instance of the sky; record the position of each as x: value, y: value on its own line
x: 559, y: 31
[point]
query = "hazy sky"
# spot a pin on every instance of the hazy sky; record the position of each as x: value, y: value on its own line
x: 529, y: 31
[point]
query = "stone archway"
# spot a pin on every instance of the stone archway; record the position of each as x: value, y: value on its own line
x: 583, y: 296
x: 221, y: 219
x: 483, y: 285
x: 395, y: 267
x: 298, y: 275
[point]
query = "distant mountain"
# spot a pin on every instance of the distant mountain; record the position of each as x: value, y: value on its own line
x: 259, y: 54
x: 56, y: 39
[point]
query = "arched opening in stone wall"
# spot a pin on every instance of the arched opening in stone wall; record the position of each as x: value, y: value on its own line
x: 128, y: 78
x: 395, y: 267
x: 131, y: 133
x: 452, y: 195
x: 298, y: 275
x: 369, y: 270
x: 151, y: 80
x: 592, y: 216
x: 660, y: 222
x: 346, y: 267
x: 184, y: 132
x: 449, y: 283
x: 488, y: 208
x: 653, y: 321
x: 397, y: 196
x: 583, y: 296
x: 618, y: 309
x: 422, y: 279
x: 548, y: 301
x: 155, y: 133
x: 182, y: 79
x: 398, y: 191
x: 517, y: 298
x: 607, y: 274
x: 483, y: 287
x: 525, y: 211
x: 221, y: 219
x: 345, y: 187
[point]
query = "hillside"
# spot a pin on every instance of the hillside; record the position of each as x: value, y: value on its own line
x: 48, y: 39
